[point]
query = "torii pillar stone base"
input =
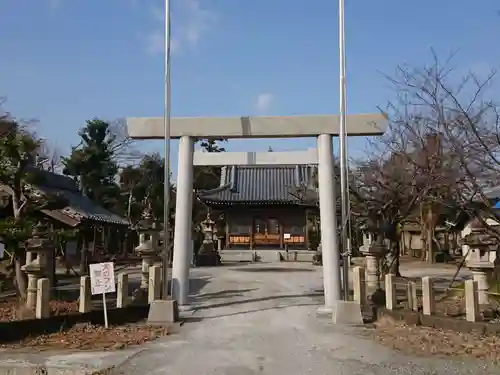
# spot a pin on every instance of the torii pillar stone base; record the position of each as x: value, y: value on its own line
x: 347, y: 313
x: 163, y: 312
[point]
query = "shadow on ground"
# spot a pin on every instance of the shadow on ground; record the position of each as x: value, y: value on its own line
x: 273, y: 269
x: 258, y: 299
x: 194, y: 319
x: 198, y: 283
x: 222, y: 294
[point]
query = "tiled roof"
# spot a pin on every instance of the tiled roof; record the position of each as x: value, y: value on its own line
x: 78, y: 203
x: 84, y: 206
x: 55, y: 180
x: 260, y: 184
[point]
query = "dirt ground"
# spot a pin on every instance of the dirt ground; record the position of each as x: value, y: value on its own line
x: 91, y: 337
x: 81, y: 336
x: 10, y: 310
x: 425, y: 341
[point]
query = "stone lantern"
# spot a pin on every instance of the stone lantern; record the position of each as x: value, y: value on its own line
x: 208, y: 255
x: 38, y: 251
x: 481, y: 259
x: 217, y: 239
x: 318, y: 256
x: 373, y: 251
x: 147, y: 248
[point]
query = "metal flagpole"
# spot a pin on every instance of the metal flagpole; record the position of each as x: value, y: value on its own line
x: 344, y: 194
x: 166, y: 183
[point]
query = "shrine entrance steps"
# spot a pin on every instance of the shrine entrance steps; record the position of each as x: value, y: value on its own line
x: 266, y: 255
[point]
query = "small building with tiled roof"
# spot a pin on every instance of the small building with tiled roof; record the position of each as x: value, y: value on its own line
x: 79, y: 209
x: 262, y: 205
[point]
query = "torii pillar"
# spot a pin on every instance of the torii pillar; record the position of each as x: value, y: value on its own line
x: 324, y: 127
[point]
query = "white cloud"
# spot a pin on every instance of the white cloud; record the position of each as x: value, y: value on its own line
x: 199, y: 21
x: 155, y: 43
x: 54, y: 4
x: 190, y: 21
x: 263, y: 102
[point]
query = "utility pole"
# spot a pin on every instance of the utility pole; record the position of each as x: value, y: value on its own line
x: 166, y: 183
x: 344, y: 175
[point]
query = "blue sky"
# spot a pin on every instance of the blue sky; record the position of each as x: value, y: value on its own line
x: 65, y: 61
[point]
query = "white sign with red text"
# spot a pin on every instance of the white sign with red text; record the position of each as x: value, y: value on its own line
x: 102, y: 278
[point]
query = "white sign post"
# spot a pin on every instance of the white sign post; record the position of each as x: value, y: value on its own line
x: 102, y: 281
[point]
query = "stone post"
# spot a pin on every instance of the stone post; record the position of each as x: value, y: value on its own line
x: 390, y: 292
x: 32, y: 289
x: 358, y: 280
x: 122, y: 291
x: 85, y: 295
x: 471, y: 301
x: 428, y: 300
x: 43, y: 299
x: 412, y: 295
x: 154, y: 291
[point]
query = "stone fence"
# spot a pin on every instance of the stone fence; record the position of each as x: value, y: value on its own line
x: 150, y: 288
x: 423, y: 297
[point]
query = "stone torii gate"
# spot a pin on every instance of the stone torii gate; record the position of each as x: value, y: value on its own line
x: 324, y: 127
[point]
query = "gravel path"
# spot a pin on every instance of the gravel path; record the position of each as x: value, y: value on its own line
x: 261, y: 320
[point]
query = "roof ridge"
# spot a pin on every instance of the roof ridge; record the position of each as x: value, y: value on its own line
x: 263, y: 183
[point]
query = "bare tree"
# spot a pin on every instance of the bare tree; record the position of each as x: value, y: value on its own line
x: 445, y: 126
x: 385, y: 191
x: 458, y: 111
x: 124, y: 148
x: 49, y: 157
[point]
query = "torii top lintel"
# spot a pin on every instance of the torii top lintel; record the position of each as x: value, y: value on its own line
x: 256, y: 126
